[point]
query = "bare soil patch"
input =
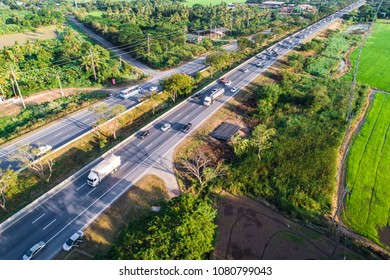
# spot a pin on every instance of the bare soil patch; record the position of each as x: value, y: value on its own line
x: 13, y: 106
x: 105, y: 230
x: 42, y: 33
x: 251, y: 230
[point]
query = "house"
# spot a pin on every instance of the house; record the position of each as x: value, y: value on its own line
x: 214, y: 32
x: 307, y: 8
x: 273, y: 4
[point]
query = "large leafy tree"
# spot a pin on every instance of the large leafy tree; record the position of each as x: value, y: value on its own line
x: 178, y: 84
x: 182, y: 230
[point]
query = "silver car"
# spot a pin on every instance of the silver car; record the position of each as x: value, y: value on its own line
x: 73, y: 240
x: 34, y: 250
x: 165, y: 127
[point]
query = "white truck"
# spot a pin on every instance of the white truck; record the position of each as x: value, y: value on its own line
x: 215, y: 94
x: 108, y: 166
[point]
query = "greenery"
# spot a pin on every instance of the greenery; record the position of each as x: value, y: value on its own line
x: 328, y: 53
x: 131, y: 25
x: 184, y: 229
x: 13, y: 20
x: 368, y: 176
x: 297, y: 173
x: 35, y: 115
x: 375, y: 50
x: 40, y: 66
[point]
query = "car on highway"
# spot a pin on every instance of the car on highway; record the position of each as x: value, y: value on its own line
x: 186, y: 127
x: 223, y: 80
x: 34, y: 250
x: 143, y: 134
x: 165, y: 127
x: 228, y: 82
x: 234, y: 89
x: 153, y: 88
x: 43, y: 149
x: 245, y: 70
x: 259, y: 64
x: 73, y: 241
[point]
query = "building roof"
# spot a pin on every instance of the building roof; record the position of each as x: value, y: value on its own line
x: 225, y: 131
x: 273, y: 3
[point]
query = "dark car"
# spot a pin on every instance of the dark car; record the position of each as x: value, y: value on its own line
x: 186, y: 127
x: 143, y: 134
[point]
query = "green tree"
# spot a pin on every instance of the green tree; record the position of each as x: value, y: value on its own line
x: 106, y: 113
x: 184, y: 229
x: 178, y: 84
x: 8, y: 181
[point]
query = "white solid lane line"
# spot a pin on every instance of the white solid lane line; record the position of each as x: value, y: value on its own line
x: 94, y: 188
x: 39, y: 218
x: 148, y: 145
x: 81, y: 186
x: 49, y: 224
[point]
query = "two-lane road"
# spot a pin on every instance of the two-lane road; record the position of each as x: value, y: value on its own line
x: 75, y: 205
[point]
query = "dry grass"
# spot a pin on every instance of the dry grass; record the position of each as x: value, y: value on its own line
x: 43, y: 33
x: 103, y: 233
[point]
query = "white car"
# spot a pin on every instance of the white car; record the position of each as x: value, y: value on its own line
x: 153, y: 88
x: 73, y: 240
x: 228, y: 82
x: 165, y: 127
x: 245, y: 70
x: 234, y: 89
x: 43, y: 149
x: 34, y: 250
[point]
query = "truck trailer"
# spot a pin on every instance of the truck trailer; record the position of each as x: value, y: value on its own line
x: 108, y: 166
x: 215, y: 94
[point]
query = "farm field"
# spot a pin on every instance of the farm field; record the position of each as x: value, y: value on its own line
x: 368, y: 175
x: 375, y: 58
x: 212, y: 2
x: 44, y: 33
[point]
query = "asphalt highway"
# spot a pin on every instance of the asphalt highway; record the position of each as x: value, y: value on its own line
x: 73, y: 206
x: 71, y: 127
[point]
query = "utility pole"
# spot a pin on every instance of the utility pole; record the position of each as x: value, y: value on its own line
x: 17, y: 86
x: 75, y: 3
x: 59, y: 82
x: 148, y: 44
x: 93, y: 65
x: 120, y: 61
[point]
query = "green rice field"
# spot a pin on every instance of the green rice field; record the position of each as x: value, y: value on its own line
x: 375, y: 58
x: 367, y: 207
